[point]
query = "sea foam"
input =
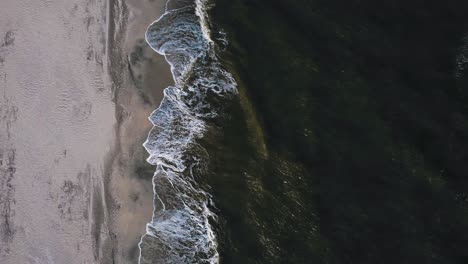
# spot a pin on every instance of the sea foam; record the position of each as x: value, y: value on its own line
x: 181, y: 230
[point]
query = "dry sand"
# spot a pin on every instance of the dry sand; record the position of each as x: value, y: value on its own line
x: 77, y: 83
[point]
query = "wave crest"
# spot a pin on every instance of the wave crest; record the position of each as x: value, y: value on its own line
x: 180, y: 230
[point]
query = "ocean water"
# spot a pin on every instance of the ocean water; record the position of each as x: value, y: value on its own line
x: 310, y: 132
x: 357, y: 112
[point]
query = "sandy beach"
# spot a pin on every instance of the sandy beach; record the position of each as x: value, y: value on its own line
x: 77, y: 82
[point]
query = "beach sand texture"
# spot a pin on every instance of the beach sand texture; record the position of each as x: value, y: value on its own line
x: 75, y: 94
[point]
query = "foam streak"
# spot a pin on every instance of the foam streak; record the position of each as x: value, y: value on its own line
x: 180, y: 230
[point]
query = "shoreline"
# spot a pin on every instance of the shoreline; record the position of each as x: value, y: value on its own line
x: 144, y: 76
x: 74, y: 108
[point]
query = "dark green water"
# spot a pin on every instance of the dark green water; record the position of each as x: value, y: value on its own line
x: 349, y: 143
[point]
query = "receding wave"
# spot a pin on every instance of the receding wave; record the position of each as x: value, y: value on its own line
x: 181, y: 227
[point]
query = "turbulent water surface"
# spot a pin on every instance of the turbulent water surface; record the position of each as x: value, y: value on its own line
x: 181, y: 229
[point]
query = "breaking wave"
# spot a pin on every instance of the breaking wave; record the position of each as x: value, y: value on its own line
x: 181, y: 227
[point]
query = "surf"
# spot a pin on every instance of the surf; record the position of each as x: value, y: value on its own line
x: 181, y: 228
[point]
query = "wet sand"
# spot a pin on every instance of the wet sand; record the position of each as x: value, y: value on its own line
x: 147, y: 75
x: 76, y: 88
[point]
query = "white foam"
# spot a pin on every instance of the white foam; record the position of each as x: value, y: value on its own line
x: 180, y: 230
